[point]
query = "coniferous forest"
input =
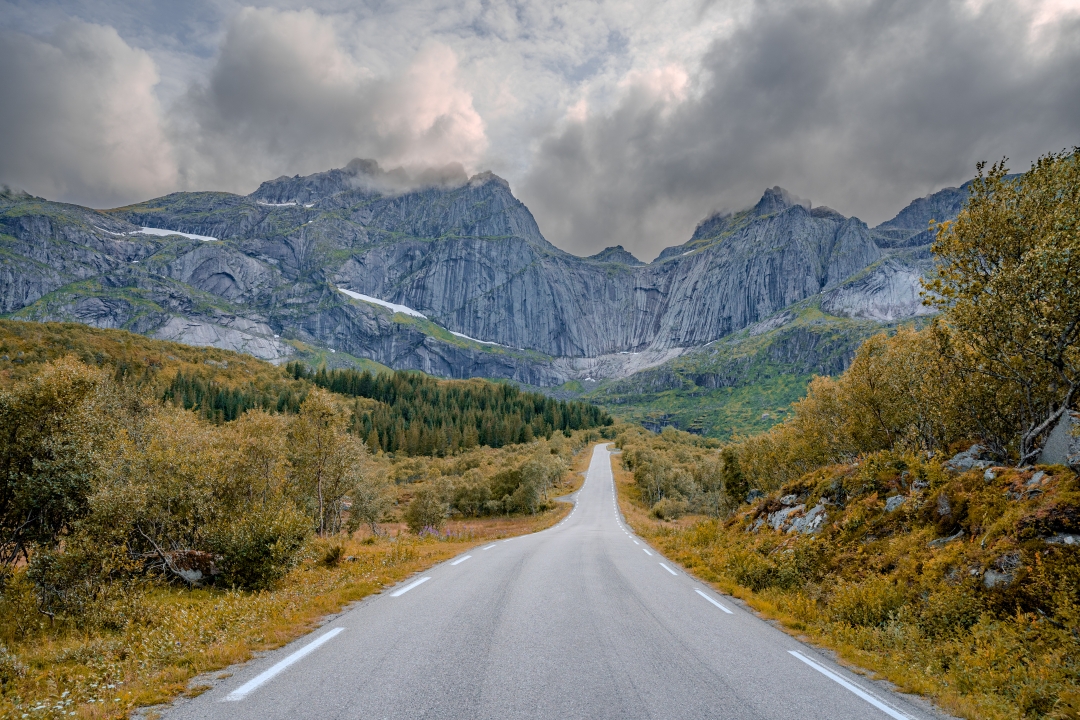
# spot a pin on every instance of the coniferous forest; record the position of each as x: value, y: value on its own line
x: 419, y: 415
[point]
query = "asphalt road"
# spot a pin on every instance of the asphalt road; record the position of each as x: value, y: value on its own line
x: 583, y: 620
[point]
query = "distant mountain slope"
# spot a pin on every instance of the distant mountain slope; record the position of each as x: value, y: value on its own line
x: 489, y: 295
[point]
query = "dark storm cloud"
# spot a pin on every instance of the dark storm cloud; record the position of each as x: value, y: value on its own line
x: 860, y: 106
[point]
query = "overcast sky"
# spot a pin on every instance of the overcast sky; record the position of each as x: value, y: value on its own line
x: 616, y: 122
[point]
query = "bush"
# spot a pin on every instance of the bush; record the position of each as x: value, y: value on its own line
x: 669, y: 509
x: 426, y: 511
x: 259, y: 548
x: 750, y: 569
x: 471, y: 498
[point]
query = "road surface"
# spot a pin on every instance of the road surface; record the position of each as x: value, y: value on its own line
x: 583, y: 620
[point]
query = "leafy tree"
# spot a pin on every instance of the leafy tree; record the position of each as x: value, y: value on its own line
x: 1009, y: 283
x: 426, y: 511
x: 48, y: 461
x: 327, y: 460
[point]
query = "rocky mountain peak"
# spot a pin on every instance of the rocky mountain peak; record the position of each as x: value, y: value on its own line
x: 777, y: 199
x: 615, y: 254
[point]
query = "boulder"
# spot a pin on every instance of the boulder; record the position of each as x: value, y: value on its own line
x: 1063, y: 444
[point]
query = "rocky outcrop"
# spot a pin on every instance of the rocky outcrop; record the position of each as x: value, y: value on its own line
x: 887, y: 291
x: 233, y: 333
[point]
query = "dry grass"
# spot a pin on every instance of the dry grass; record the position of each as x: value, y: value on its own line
x: 174, y: 634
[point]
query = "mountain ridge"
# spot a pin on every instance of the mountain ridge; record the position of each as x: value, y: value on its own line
x: 499, y: 299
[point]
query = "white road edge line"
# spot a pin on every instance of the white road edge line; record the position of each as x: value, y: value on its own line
x: 713, y: 601
x: 489, y: 546
x: 668, y: 569
x: 634, y: 541
x: 241, y: 692
x: 461, y: 560
x: 409, y: 587
x: 891, y: 712
x: 647, y: 552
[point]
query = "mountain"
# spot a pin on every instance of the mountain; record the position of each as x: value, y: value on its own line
x: 448, y: 274
x: 616, y: 254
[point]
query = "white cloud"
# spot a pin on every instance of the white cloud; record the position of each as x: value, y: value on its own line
x: 286, y: 96
x: 79, y: 120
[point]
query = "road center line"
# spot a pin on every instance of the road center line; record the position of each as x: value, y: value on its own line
x: 667, y: 568
x: 647, y: 552
x: 409, y: 587
x: 461, y: 560
x: 241, y: 692
x: 891, y: 712
x: 713, y: 601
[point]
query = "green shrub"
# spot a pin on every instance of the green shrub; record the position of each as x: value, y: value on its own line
x: 426, y: 511
x: 669, y: 509
x: 259, y: 548
x: 750, y: 569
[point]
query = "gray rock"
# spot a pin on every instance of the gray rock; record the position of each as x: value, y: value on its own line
x: 1062, y: 446
x: 776, y: 519
x: 1004, y: 571
x: 942, y: 541
x: 894, y: 502
x: 237, y: 334
x: 1064, y: 539
x: 887, y: 291
x: 463, y: 251
x: 789, y: 500
x: 616, y: 254
x: 811, y: 522
x: 974, y: 457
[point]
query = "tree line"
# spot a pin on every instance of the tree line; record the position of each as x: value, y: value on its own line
x: 420, y: 415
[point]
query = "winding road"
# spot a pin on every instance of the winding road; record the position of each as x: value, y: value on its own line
x: 583, y: 620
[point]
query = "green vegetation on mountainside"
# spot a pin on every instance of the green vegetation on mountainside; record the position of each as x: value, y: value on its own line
x: 742, y: 384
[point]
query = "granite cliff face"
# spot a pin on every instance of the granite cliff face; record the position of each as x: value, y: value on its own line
x: 491, y: 297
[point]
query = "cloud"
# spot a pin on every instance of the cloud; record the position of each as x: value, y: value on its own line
x: 286, y: 96
x: 79, y: 119
x: 616, y: 121
x: 860, y: 105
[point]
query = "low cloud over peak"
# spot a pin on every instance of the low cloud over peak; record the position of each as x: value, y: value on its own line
x: 618, y: 123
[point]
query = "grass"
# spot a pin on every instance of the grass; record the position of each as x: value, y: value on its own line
x: 171, y: 635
